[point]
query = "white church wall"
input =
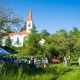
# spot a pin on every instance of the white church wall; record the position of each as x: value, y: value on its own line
x: 21, y: 39
x: 14, y: 40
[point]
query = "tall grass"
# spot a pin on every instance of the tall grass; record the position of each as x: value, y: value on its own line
x: 10, y: 71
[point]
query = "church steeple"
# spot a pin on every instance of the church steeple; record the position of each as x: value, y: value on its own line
x: 29, y: 24
x: 30, y: 15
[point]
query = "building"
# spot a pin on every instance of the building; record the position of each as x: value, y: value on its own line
x: 17, y: 38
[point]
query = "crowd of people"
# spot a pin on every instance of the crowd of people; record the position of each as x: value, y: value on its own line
x: 32, y: 62
x: 11, y: 59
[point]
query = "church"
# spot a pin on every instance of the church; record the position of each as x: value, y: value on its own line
x: 17, y: 38
x: 20, y: 36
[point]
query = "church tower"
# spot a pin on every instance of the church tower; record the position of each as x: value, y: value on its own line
x: 29, y: 24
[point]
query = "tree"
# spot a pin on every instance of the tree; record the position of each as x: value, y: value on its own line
x: 0, y: 42
x: 44, y: 34
x: 24, y: 27
x: 50, y: 44
x: 32, y: 42
x: 8, y: 30
x: 8, y: 42
x: 66, y: 43
x: 24, y: 41
x: 61, y: 43
x: 75, y: 30
x: 7, y: 16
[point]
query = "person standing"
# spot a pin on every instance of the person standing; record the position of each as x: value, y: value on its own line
x: 79, y: 61
x: 46, y: 62
x: 65, y: 60
x: 68, y: 60
x: 31, y: 63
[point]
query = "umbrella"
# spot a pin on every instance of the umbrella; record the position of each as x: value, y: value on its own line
x: 2, y: 51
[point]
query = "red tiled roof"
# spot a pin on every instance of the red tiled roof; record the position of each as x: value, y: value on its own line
x: 16, y: 33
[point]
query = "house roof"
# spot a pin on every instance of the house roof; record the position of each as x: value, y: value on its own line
x: 17, y: 33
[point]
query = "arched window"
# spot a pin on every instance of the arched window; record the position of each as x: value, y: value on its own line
x: 29, y: 25
x: 17, y: 42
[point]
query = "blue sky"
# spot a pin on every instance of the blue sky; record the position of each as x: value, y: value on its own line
x: 51, y: 15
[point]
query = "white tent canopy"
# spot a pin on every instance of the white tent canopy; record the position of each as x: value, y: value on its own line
x: 2, y: 51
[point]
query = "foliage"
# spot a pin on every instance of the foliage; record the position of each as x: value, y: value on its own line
x: 8, y: 41
x: 61, y: 43
x: 58, y: 44
x: 8, y: 30
x: 32, y: 42
x: 24, y: 42
x: 24, y: 27
x: 7, y: 17
x: 44, y: 34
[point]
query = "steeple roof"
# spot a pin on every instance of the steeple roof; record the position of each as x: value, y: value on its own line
x: 30, y: 15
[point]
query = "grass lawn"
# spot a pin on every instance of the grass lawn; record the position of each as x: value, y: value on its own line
x: 59, y: 71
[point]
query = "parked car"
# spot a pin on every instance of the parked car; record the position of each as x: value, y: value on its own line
x: 54, y: 60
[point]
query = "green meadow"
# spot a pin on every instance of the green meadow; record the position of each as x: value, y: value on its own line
x: 55, y: 71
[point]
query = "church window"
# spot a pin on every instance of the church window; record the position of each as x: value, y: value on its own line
x: 28, y: 25
x: 17, y: 42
